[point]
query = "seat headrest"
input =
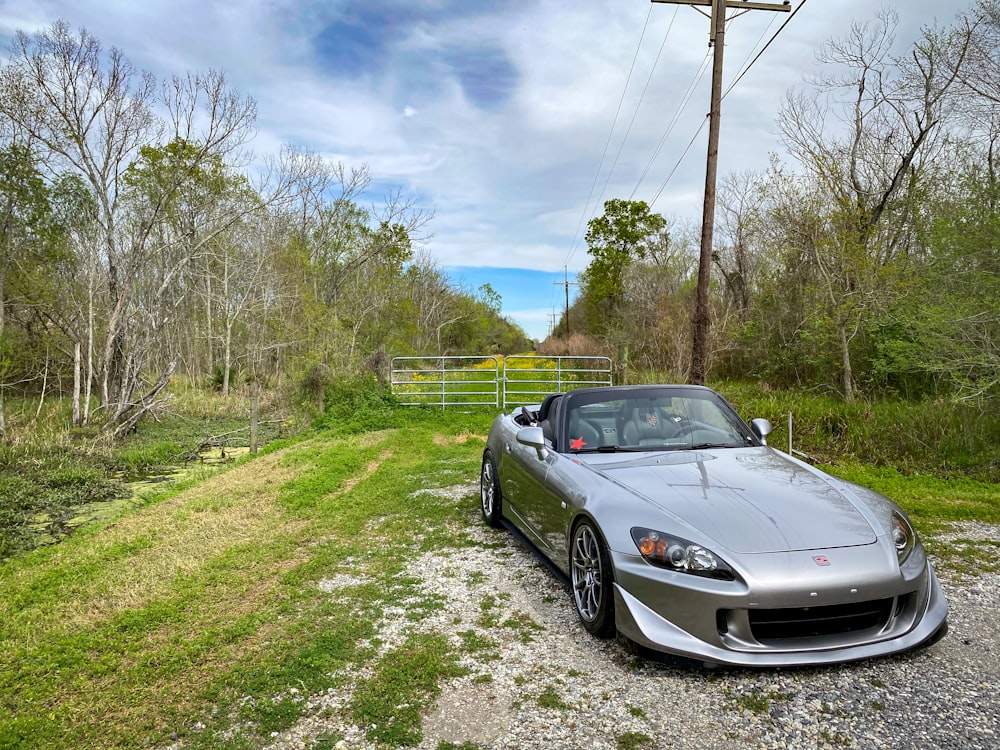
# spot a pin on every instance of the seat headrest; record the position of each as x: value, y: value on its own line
x: 543, y: 410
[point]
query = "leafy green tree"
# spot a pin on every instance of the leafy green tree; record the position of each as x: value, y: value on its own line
x: 627, y: 232
x: 945, y: 336
x: 490, y: 298
x: 26, y: 233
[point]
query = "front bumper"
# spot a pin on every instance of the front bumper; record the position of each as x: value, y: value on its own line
x: 712, y: 621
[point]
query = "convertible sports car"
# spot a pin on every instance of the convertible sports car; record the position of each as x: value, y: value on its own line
x: 681, y: 529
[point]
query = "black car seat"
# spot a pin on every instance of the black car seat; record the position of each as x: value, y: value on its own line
x: 648, y: 426
x: 547, y: 414
x: 582, y: 434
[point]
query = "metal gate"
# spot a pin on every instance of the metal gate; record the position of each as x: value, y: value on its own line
x: 529, y: 379
x: 492, y: 381
x: 446, y: 381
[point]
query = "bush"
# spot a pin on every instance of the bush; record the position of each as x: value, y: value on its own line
x: 218, y: 377
x: 357, y: 403
x: 932, y: 436
x: 360, y: 403
x: 574, y: 345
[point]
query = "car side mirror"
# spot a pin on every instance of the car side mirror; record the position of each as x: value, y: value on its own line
x: 761, y: 428
x: 533, y: 437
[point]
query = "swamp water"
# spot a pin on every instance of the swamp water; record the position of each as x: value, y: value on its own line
x: 50, y: 528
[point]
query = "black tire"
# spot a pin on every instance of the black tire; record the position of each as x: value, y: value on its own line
x: 592, y: 580
x: 491, y: 502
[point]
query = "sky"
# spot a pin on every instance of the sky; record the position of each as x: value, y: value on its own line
x: 511, y: 120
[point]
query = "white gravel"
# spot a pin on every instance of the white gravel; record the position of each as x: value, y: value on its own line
x: 606, y: 697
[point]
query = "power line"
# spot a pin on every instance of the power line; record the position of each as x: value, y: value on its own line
x: 746, y: 64
x: 701, y: 318
x: 685, y: 100
x: 635, y: 112
x: 567, y: 284
x: 674, y: 120
x: 788, y: 20
x: 743, y: 71
x: 600, y: 165
x: 663, y: 185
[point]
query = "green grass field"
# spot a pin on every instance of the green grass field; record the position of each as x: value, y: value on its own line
x: 205, y: 607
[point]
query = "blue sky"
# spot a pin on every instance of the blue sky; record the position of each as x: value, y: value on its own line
x: 494, y: 114
x: 536, y: 295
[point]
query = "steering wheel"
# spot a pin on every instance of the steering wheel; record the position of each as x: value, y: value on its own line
x: 682, y: 424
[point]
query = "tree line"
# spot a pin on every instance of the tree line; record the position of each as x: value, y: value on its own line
x: 140, y: 237
x: 864, y: 261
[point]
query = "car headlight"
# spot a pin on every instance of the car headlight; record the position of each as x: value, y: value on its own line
x: 673, y: 553
x: 903, y: 537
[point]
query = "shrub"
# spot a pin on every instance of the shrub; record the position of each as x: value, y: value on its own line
x: 931, y: 436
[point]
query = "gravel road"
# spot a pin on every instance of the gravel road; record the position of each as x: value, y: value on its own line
x: 555, y: 686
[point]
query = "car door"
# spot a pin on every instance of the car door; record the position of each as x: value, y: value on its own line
x: 523, y: 486
x: 555, y: 507
x: 548, y: 512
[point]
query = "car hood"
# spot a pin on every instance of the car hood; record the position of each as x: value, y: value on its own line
x: 750, y: 500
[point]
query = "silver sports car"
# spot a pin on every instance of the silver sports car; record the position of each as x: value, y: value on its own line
x: 681, y: 530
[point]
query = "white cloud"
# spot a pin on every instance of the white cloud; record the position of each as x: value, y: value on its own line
x: 509, y: 183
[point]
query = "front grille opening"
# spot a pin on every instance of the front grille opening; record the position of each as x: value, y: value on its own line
x: 721, y: 621
x: 805, y: 622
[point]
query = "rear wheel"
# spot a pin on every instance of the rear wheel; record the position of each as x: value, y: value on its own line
x: 590, y: 569
x: 489, y: 492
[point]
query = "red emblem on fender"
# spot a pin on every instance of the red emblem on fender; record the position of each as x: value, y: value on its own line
x: 821, y: 559
x: 575, y: 445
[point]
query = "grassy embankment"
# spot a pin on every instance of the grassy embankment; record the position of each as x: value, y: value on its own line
x: 58, y: 474
x: 201, y: 614
x: 205, y: 605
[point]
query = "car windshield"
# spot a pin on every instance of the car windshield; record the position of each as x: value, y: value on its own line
x: 655, y: 420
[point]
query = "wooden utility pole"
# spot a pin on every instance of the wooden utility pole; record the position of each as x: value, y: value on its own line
x: 566, y: 283
x: 699, y: 340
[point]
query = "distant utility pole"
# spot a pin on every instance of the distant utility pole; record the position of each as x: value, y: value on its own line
x: 699, y: 342
x: 566, y: 283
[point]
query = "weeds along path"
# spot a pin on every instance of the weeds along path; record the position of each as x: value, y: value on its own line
x: 522, y: 673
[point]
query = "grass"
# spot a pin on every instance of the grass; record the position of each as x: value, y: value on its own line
x: 204, y: 614
x: 930, y: 501
x: 550, y: 698
x: 203, y: 608
x: 50, y: 473
x: 756, y: 701
x: 404, y: 680
x: 633, y: 741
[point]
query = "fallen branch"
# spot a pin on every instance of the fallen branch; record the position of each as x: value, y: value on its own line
x: 120, y: 426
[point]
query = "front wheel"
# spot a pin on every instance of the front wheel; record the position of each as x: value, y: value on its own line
x: 489, y: 492
x: 592, y: 581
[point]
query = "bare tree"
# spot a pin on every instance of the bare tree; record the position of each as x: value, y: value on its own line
x: 973, y: 54
x: 738, y: 256
x: 864, y: 134
x: 94, y: 113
